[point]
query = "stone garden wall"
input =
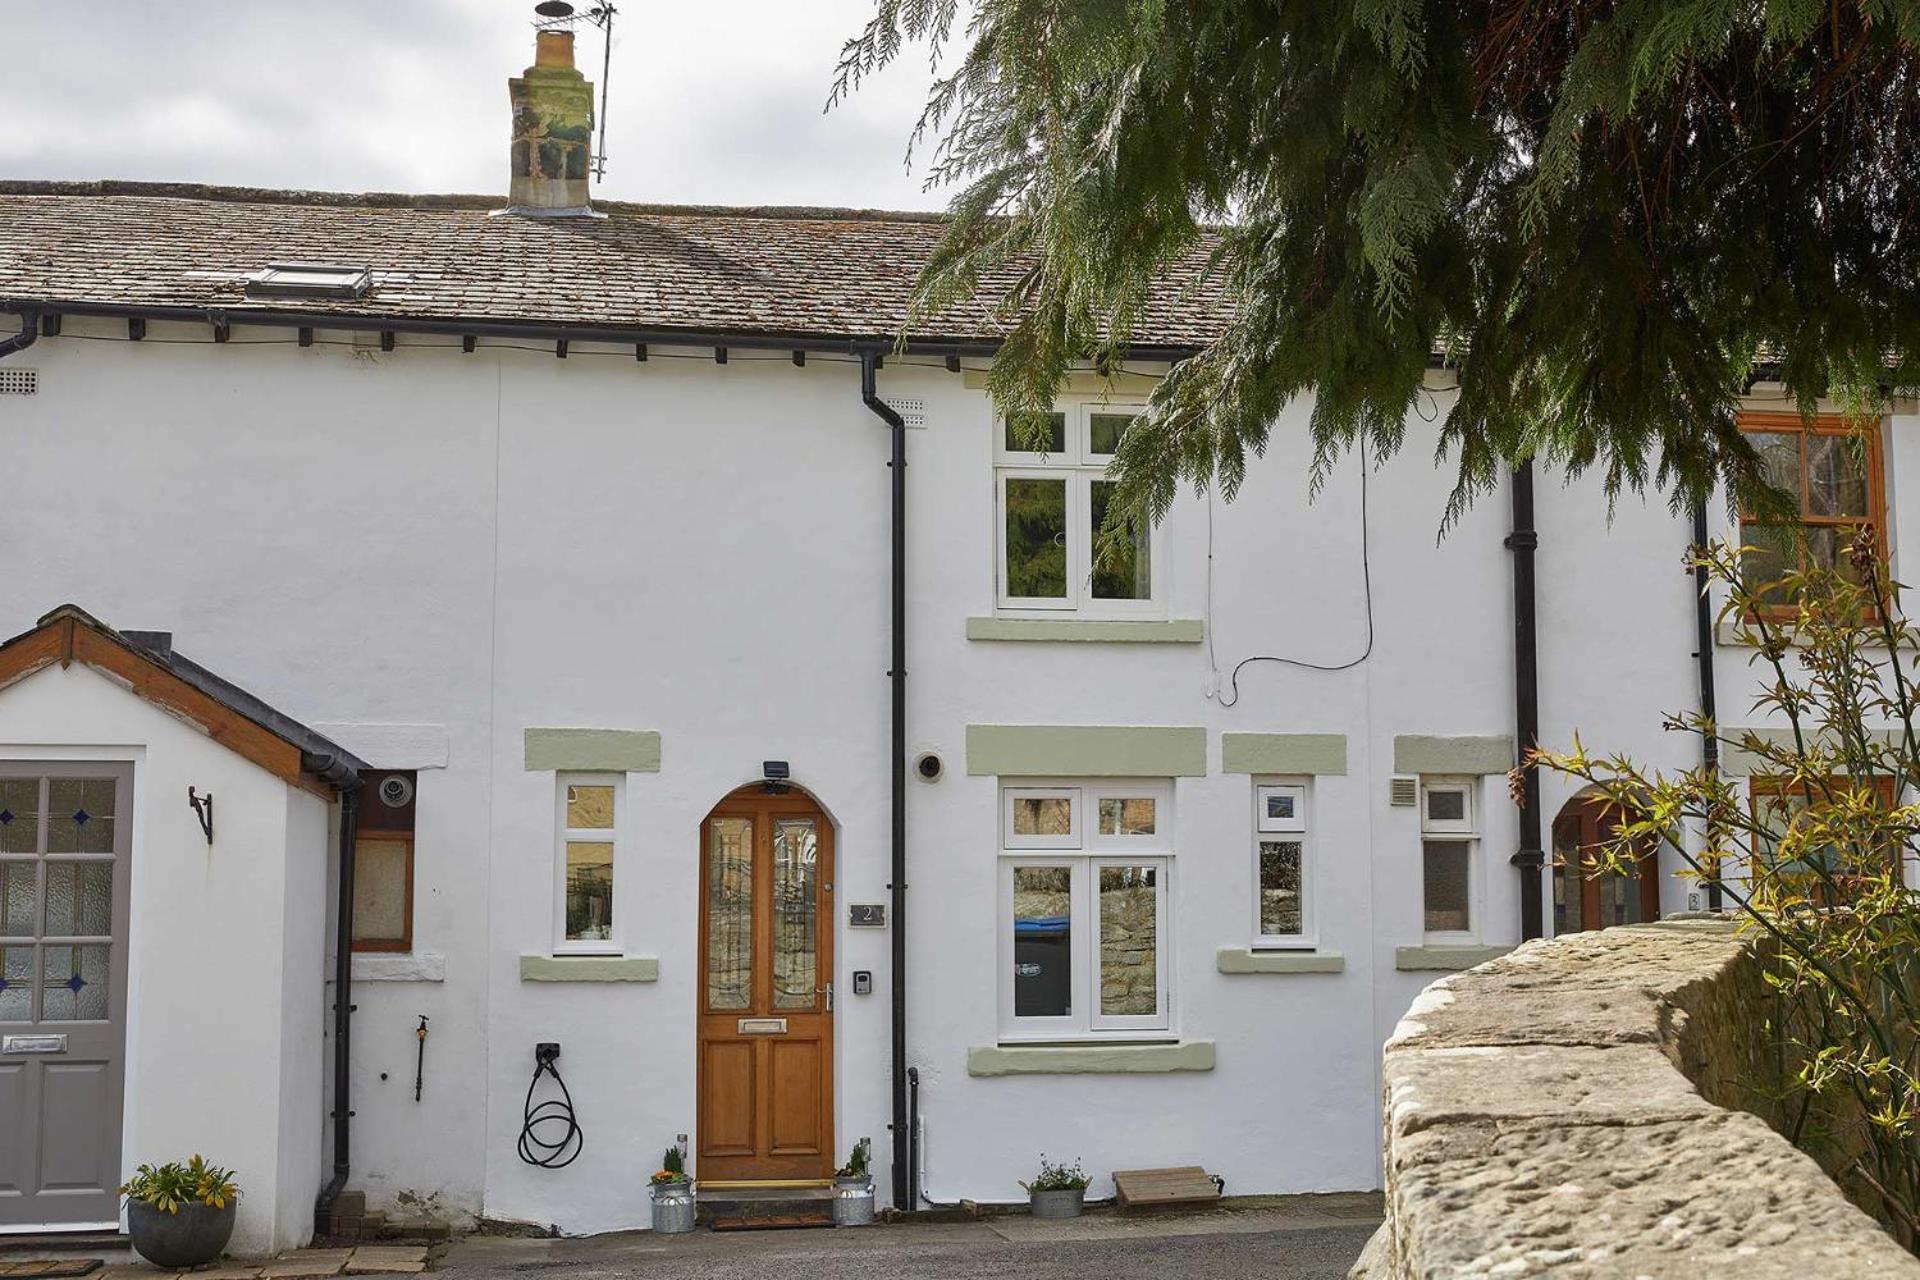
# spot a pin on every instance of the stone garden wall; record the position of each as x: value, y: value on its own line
x: 1583, y: 1107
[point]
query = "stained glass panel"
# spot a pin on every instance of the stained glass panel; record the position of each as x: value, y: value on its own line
x: 796, y: 925
x: 730, y: 914
x: 79, y: 899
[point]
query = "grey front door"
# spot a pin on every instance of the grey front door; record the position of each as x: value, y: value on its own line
x: 65, y: 829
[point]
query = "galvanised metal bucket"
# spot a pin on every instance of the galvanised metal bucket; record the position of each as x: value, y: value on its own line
x: 673, y: 1208
x: 853, y: 1202
x: 1058, y: 1204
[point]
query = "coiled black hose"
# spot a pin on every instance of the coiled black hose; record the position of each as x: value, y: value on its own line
x: 539, y: 1122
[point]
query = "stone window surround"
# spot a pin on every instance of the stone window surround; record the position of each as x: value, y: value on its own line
x: 1090, y: 1059
x: 1283, y: 758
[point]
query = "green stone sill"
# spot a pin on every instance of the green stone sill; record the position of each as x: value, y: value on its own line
x: 1726, y: 634
x: 1251, y: 960
x: 1444, y: 959
x: 1088, y: 630
x: 589, y: 969
x: 1089, y: 1059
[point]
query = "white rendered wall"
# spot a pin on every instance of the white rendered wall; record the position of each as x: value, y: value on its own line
x: 223, y: 973
x: 482, y: 543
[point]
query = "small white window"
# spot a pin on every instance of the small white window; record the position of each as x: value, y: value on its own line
x: 1084, y: 945
x: 1449, y: 871
x: 587, y: 857
x: 1051, y: 496
x: 1282, y: 866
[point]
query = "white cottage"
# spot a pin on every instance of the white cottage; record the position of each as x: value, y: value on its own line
x: 727, y: 698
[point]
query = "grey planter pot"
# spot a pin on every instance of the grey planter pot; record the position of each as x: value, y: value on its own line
x: 190, y: 1238
x: 853, y: 1202
x: 673, y: 1208
x: 1058, y: 1204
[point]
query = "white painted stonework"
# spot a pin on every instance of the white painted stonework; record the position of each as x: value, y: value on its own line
x: 425, y: 553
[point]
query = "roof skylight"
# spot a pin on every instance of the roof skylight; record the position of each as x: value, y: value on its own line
x: 310, y: 280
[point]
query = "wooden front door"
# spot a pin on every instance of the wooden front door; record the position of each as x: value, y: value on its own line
x: 66, y: 830
x: 766, y: 995
x: 1583, y: 901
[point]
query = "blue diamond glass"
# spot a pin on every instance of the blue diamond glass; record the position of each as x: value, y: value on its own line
x: 75, y: 983
x: 81, y: 816
x: 6, y: 817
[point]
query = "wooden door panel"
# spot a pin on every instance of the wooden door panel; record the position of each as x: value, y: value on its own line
x: 766, y: 954
x: 72, y: 1094
x: 794, y: 1078
x: 16, y: 1154
x: 727, y: 1092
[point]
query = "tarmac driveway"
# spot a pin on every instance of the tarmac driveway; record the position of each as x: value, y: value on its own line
x: 1291, y: 1238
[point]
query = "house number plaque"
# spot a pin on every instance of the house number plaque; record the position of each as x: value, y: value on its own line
x: 867, y: 915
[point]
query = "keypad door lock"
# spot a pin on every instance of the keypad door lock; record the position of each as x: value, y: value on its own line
x: 863, y: 982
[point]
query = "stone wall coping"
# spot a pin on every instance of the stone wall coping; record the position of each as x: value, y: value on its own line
x: 1556, y: 1111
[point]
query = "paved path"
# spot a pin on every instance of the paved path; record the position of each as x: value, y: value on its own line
x: 1302, y: 1238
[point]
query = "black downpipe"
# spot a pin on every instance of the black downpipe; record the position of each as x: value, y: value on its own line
x: 342, y: 1010
x: 28, y: 335
x: 1529, y: 857
x: 869, y: 363
x: 1703, y: 655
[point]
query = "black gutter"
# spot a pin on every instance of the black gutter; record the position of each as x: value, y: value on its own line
x: 347, y: 779
x: 1703, y: 656
x: 859, y: 345
x: 897, y: 425
x: 1529, y: 857
x: 28, y: 335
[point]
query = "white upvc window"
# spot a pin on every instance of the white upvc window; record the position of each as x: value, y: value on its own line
x: 1049, y: 506
x: 1449, y: 859
x: 1085, y: 948
x: 588, y: 845
x: 1283, y: 864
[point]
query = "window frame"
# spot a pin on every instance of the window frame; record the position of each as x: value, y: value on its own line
x: 1761, y: 422
x: 1463, y: 831
x: 612, y: 945
x: 1081, y: 468
x: 1083, y: 861
x: 1298, y: 829
x: 1770, y: 788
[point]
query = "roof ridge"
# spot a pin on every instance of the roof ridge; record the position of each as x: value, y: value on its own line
x: 204, y: 191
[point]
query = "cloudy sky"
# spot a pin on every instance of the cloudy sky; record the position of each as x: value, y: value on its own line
x: 713, y: 102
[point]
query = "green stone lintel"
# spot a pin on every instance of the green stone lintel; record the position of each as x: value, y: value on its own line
x: 1088, y: 630
x: 1089, y: 1059
x: 593, y: 750
x: 1295, y: 753
x: 1431, y: 754
x: 1086, y: 751
x: 589, y: 969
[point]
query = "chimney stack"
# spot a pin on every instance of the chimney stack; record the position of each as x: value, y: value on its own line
x: 552, y: 131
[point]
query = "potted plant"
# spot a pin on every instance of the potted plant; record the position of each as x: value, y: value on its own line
x: 180, y: 1215
x: 672, y: 1194
x: 1058, y: 1190
x: 853, y: 1188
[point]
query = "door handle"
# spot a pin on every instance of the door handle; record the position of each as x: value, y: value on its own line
x: 827, y: 991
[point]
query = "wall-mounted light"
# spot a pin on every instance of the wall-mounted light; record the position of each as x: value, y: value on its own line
x: 773, y: 777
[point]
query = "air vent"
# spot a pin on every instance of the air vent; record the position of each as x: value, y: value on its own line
x: 1403, y: 792
x: 914, y: 411
x: 19, y: 382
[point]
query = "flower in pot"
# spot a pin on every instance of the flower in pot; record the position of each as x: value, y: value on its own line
x: 672, y: 1194
x: 1058, y: 1190
x: 181, y: 1215
x: 853, y: 1187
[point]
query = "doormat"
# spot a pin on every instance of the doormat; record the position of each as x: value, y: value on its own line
x: 49, y: 1269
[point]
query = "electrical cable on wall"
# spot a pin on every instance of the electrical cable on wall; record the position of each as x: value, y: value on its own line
x: 1366, y: 578
x: 537, y: 1147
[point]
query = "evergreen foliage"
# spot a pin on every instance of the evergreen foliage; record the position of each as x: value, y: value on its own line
x: 1609, y: 211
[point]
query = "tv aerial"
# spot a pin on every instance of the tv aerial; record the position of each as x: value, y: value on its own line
x: 558, y: 15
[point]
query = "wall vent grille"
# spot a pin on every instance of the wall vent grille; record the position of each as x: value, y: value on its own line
x: 19, y: 382
x: 1403, y: 792
x: 914, y: 411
